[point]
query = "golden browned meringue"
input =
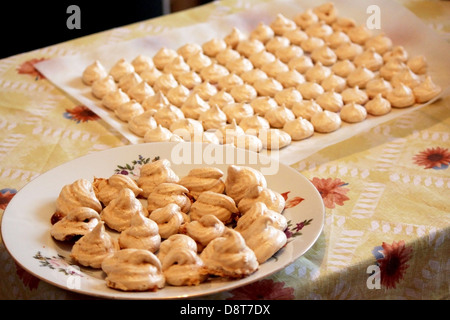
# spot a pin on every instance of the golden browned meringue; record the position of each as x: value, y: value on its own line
x: 158, y: 134
x: 198, y: 61
x: 114, y: 99
x: 102, y: 87
x: 343, y: 68
x: 274, y: 139
x: 305, y: 109
x: 306, y: 18
x: 189, y: 49
x: 326, y: 121
x: 326, y: 12
x: 218, y: 204
x: 227, y: 55
x: 183, y: 267
x: 278, y: 116
x: 355, y: 95
x: 331, y: 101
x: 213, y: 73
x: 263, y: 104
x: 310, y: 90
x: 276, y: 43
x: 142, y: 63
x: 378, y: 86
x: 253, y: 75
x: 391, y: 68
x: 299, y: 129
x: 107, y: 189
x: 290, y: 79
x: 120, y: 68
x: 165, y: 82
x: 163, y: 57
x: 220, y: 99
x: 203, y: 179
x: 312, y: 43
x: 205, y: 90
x: 407, y: 77
x: 233, y: 38
x: 128, y: 110
x: 239, y: 65
x: 353, y: 112
x: 301, y: 64
x: 401, y: 96
x: 178, y: 95
x: 262, y: 32
x: 348, y: 51
x: 324, y: 55
x: 369, y: 59
x: 337, y: 38
x: 257, y: 210
x: 167, y: 115
x: 229, y: 256
x: 281, y: 24
x: 141, y: 92
x: 150, y: 75
x: 80, y: 193
x: 288, y: 97
x: 359, y: 34
x: 426, y: 90
x: 334, y: 83
x: 381, y: 43
x: 194, y: 106
x: 228, y: 81
x: 128, y: 81
x: 76, y: 223
x: 155, y: 173
x: 397, y: 52
x: 237, y: 111
x: 229, y: 132
x: 378, y: 105
x: 176, y: 241
x: 418, y: 64
x: 94, y: 72
x: 189, y: 79
x: 119, y: 211
x: 92, y: 248
x: 187, y: 128
x: 204, y: 230
x: 319, y: 30
x: 267, y: 86
x: 317, y: 73
x: 249, y: 142
x: 213, y: 46
x: 272, y: 199
x: 286, y: 54
x: 343, y: 24
x: 360, y: 77
x: 209, y: 137
x: 254, y: 123
x: 274, y: 67
x: 168, y: 193
x: 240, y: 178
x: 213, y: 118
x: 133, y: 270
x: 296, y: 36
x: 168, y: 218
x: 243, y: 93
x: 143, y: 233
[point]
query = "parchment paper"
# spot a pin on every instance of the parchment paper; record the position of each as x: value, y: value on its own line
x: 401, y: 25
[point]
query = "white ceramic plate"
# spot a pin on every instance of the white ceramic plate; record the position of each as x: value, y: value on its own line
x: 26, y: 221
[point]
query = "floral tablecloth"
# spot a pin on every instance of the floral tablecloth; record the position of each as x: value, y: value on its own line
x: 386, y: 191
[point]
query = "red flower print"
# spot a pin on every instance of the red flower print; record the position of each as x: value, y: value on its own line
x: 5, y: 197
x: 266, y: 289
x: 81, y: 114
x: 331, y: 190
x: 28, y: 68
x: 393, y: 263
x: 436, y: 158
x: 28, y: 279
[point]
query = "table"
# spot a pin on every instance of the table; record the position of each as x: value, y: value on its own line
x: 386, y: 191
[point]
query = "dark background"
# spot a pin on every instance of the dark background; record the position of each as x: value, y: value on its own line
x: 29, y: 25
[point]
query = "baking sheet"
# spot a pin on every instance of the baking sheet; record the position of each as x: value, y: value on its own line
x: 398, y: 23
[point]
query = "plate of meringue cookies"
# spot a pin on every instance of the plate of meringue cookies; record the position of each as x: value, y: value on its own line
x: 162, y: 220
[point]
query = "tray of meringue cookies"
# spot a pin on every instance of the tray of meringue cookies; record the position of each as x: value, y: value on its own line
x: 300, y: 80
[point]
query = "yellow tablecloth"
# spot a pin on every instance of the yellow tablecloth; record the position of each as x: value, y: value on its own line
x: 386, y: 191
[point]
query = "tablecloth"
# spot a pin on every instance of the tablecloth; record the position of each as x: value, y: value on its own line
x: 386, y: 191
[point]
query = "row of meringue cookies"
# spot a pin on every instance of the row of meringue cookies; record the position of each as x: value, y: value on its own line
x: 281, y: 83
x: 194, y: 227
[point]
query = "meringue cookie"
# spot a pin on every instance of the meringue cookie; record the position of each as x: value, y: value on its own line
x: 337, y: 38
x: 168, y: 219
x: 142, y: 63
x: 407, y: 77
x: 150, y: 75
x: 141, y: 92
x: 288, y: 97
x: 188, y: 50
x: 334, y: 83
x: 263, y: 104
x: 369, y: 59
x: 359, y: 34
x: 119, y: 211
x: 183, y: 267
x: 257, y: 210
x: 272, y: 199
x: 133, y: 270
x: 114, y: 99
x: 254, y: 123
x: 261, y: 58
x: 168, y: 193
x: 102, y: 87
x: 319, y: 30
x: 299, y: 129
x: 176, y: 241
x: 203, y: 179
x: 306, y: 18
x: 274, y: 67
x: 209, y: 137
x: 155, y: 102
x: 198, y: 61
x: 94, y: 72
x: 229, y: 81
x: 128, y: 81
x: 353, y: 112
x: 229, y: 132
x: 178, y: 95
x: 331, y: 101
x: 213, y: 46
x: 121, y: 67
x: 213, y: 73
x: 163, y: 57
x: 324, y: 55
x: 188, y: 128
x: 312, y: 43
x: 194, y: 106
x: 237, y: 111
x: 267, y: 87
x: 227, y: 55
x: 378, y: 105
x: 343, y: 24
x: 80, y: 193
x: 397, y: 52
x: 378, y: 86
x: 305, y: 109
x: 239, y: 65
x: 278, y: 116
x: 167, y: 115
x: 76, y: 223
x: 276, y: 43
x: 129, y: 110
x: 177, y: 66
x: 296, y: 36
x: 107, y: 189
x: 213, y: 118
x: 234, y: 37
x: 310, y: 90
x: 91, y: 249
x: 391, y: 68
x: 401, y: 96
x: 243, y: 93
x: 317, y: 73
x: 301, y: 64
x: 426, y: 90
x: 204, y: 230
x: 165, y: 82
x: 205, y: 90
x: 348, y: 51
x: 143, y: 233
x: 248, y: 142
x: 355, y: 95
x: 158, y: 134
x: 274, y: 139
x: 381, y: 43
x: 218, y: 204
x: 286, y: 54
x: 343, y: 68
x: 360, y: 77
x: 229, y: 256
x: 249, y: 46
x: 417, y: 64
x: 220, y: 99
x: 326, y: 12
x: 326, y: 121
x: 290, y: 79
x: 262, y: 32
x: 240, y: 178
x: 155, y: 173
x: 281, y: 24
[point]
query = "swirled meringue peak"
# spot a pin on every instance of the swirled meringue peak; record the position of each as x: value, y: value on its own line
x: 183, y: 267
x: 272, y: 199
x: 155, y: 173
x: 204, y: 230
x: 218, y: 204
x: 143, y: 233
x: 240, y: 178
x: 426, y: 90
x: 176, y: 241
x: 94, y: 72
x: 203, y: 179
x: 78, y: 222
x: 106, y: 189
x: 168, y: 218
x: 169, y: 193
